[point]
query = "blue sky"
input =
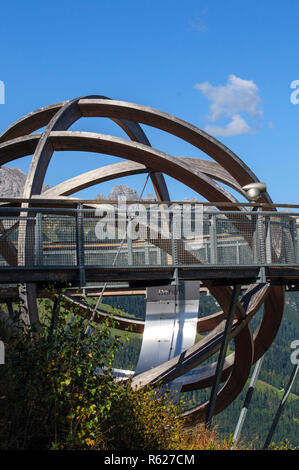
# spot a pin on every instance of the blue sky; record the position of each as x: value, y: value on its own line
x: 225, y: 66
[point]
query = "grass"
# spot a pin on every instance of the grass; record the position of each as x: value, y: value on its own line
x: 261, y: 385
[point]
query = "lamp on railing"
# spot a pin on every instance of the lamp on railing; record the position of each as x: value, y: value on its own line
x: 253, y: 193
x: 254, y: 190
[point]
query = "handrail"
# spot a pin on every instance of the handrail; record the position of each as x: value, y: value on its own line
x: 73, y: 201
x: 205, y: 237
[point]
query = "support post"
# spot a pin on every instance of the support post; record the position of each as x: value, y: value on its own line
x: 222, y: 354
x: 237, y: 252
x: 174, y: 245
x: 268, y: 241
x: 261, y: 245
x: 255, y: 237
x: 292, y: 228
x: 10, y: 309
x: 176, y: 280
x: 55, y: 313
x: 129, y: 245
x: 297, y: 240
x: 146, y: 252
x: 28, y: 308
x: 213, y: 240
x: 80, y: 243
x: 259, y: 242
x: 247, y: 401
x: 159, y: 255
x: 38, y: 239
x: 281, y: 406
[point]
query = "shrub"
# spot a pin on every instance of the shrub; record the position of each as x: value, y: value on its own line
x: 58, y: 392
x: 143, y: 419
x: 283, y: 445
x: 200, y: 437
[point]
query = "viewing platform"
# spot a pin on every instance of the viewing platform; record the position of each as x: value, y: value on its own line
x: 83, y: 241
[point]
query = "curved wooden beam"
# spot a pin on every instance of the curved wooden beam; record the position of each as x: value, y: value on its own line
x: 87, y: 139
x: 105, y: 144
x: 197, y: 174
x: 252, y: 299
x: 235, y: 382
x: 270, y: 323
x: 31, y: 122
x: 127, y: 168
x: 62, y: 119
x: 215, y: 171
x: 44, y: 116
x: 119, y: 110
x: 96, y: 138
x: 43, y: 152
x: 93, y: 177
x: 173, y: 125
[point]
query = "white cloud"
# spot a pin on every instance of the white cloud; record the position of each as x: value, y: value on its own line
x: 236, y: 126
x: 229, y: 101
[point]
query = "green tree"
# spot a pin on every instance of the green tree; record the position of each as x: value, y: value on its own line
x: 58, y: 392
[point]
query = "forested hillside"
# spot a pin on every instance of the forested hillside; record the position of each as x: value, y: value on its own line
x: 273, y: 377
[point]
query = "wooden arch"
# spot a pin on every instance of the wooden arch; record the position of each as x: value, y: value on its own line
x: 200, y: 175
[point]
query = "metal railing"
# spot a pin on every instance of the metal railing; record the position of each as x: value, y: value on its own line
x: 146, y: 235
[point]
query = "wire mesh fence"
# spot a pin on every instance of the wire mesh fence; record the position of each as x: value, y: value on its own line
x: 154, y: 235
